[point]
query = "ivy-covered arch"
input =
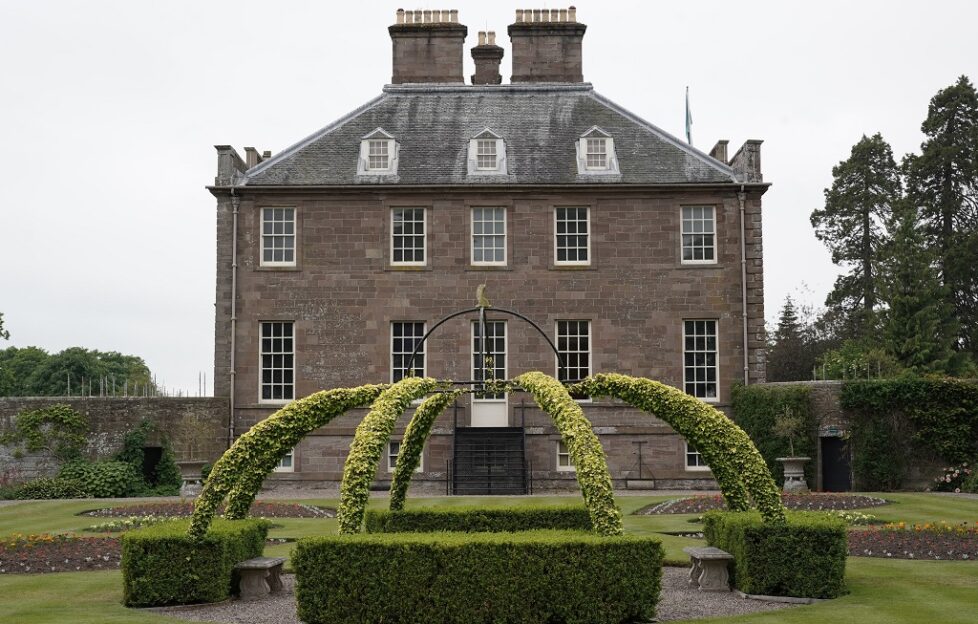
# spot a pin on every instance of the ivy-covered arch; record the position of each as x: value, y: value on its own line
x: 739, y: 469
x: 243, y: 467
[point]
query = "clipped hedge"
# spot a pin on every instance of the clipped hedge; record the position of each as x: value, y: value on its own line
x: 591, y: 465
x: 461, y: 578
x: 804, y: 557
x: 479, y: 519
x: 104, y: 479
x: 739, y: 469
x: 47, y: 488
x: 409, y: 457
x: 162, y: 565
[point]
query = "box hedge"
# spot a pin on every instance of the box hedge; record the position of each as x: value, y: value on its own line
x: 459, y: 578
x: 479, y: 519
x: 161, y: 565
x: 804, y: 557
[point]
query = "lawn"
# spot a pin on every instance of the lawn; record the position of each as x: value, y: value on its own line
x: 890, y: 591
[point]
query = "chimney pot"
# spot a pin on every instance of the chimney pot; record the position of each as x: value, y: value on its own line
x: 563, y: 15
x: 400, y: 16
x: 266, y: 154
x: 572, y: 14
x: 482, y: 37
x: 454, y: 13
x: 519, y: 15
x: 491, y: 37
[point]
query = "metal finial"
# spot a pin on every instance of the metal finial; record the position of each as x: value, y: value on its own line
x: 480, y: 296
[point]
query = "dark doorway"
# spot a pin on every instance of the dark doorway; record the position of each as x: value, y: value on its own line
x: 836, y: 468
x: 151, y: 457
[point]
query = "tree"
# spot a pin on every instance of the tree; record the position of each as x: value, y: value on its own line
x: 919, y: 328
x: 32, y: 371
x: 4, y: 334
x: 943, y: 183
x: 853, y: 225
x: 790, y: 357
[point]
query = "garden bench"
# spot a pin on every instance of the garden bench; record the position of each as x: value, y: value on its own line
x: 709, y: 569
x: 259, y: 577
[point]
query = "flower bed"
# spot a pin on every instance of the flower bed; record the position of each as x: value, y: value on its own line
x: 939, y: 541
x: 184, y: 509
x: 42, y: 553
x: 795, y: 502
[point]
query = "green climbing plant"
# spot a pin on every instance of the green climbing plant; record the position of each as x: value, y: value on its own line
x: 738, y: 467
x: 58, y: 429
x: 409, y: 457
x: 254, y: 454
x: 369, y: 441
x: 584, y: 448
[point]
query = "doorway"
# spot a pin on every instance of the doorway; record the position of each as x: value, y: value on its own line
x: 836, y: 465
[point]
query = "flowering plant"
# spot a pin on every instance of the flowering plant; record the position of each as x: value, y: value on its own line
x: 951, y: 478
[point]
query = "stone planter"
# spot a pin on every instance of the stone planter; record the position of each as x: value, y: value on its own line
x: 794, y: 473
x: 190, y: 473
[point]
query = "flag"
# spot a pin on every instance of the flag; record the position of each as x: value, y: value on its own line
x: 689, y: 120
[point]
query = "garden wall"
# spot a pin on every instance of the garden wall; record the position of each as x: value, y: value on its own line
x: 195, y: 427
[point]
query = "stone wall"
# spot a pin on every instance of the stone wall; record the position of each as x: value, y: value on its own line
x: 195, y: 427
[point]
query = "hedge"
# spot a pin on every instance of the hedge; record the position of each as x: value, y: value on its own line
x: 50, y: 488
x: 162, y: 565
x: 461, y: 578
x: 104, y: 479
x: 416, y: 434
x: 804, y: 557
x: 756, y: 408
x: 479, y: 519
x: 739, y: 469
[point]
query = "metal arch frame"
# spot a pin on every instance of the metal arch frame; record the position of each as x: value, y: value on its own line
x: 482, y: 341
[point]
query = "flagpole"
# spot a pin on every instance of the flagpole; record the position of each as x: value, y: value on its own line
x: 689, y: 120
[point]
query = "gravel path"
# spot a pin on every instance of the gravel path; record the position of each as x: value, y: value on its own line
x: 678, y: 602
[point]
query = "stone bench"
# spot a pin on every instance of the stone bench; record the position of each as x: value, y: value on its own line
x: 259, y: 577
x: 709, y: 569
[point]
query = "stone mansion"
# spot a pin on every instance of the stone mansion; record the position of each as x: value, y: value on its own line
x: 636, y: 253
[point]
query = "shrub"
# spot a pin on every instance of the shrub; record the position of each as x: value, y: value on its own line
x: 47, y: 488
x: 534, y: 576
x: 805, y: 557
x: 111, y: 479
x: 165, y: 479
x: 473, y: 519
x: 161, y: 565
x: 952, y: 478
x: 970, y: 484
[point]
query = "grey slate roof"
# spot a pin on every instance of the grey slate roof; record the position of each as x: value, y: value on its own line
x: 540, y: 124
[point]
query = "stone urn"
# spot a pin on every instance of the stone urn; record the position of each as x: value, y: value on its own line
x: 794, y: 473
x: 190, y: 473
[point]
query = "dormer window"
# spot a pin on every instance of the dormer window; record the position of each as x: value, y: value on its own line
x: 378, y: 154
x: 596, y: 153
x: 487, y: 154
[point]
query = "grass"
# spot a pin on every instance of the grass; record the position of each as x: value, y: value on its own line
x: 882, y: 590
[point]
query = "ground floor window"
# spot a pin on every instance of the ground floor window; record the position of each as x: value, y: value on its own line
x: 287, y: 463
x: 694, y: 460
x: 564, y: 462
x: 393, y: 450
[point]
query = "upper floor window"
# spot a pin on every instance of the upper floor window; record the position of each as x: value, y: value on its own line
x: 596, y: 153
x: 572, y: 240
x: 277, y: 355
x: 405, y: 337
x: 378, y: 154
x: 487, y: 154
x: 699, y: 235
x: 408, y: 236
x: 700, y: 359
x: 278, y: 237
x: 488, y: 236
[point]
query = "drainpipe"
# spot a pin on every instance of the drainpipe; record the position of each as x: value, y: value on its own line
x: 235, y: 201
x: 741, y: 197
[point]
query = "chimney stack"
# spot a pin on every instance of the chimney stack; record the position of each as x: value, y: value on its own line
x: 428, y: 46
x: 487, y: 56
x: 747, y: 161
x: 719, y: 151
x: 547, y: 45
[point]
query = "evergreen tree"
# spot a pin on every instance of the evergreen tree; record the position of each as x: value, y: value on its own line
x: 852, y: 224
x: 943, y: 183
x: 4, y: 334
x: 918, y: 323
x: 790, y: 357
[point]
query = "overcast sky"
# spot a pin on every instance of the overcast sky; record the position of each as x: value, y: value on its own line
x: 109, y: 112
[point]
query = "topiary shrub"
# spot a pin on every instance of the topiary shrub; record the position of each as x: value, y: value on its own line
x: 368, y: 445
x: 584, y: 448
x: 461, y: 578
x: 162, y: 565
x: 47, y: 488
x: 739, y: 469
x: 479, y: 519
x: 409, y: 457
x: 110, y: 479
x: 804, y: 557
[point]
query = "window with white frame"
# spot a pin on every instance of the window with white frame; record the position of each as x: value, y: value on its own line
x: 488, y: 236
x: 287, y: 462
x: 277, y: 355
x: 487, y: 154
x: 393, y: 450
x: 694, y: 460
x: 278, y: 237
x: 574, y: 347
x: 408, y: 236
x: 700, y: 359
x: 564, y: 462
x: 572, y: 238
x: 596, y: 153
x: 405, y: 336
x: 699, y: 234
x: 495, y: 354
x: 378, y: 154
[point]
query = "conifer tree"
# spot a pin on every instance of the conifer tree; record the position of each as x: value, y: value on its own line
x: 852, y: 224
x: 789, y: 356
